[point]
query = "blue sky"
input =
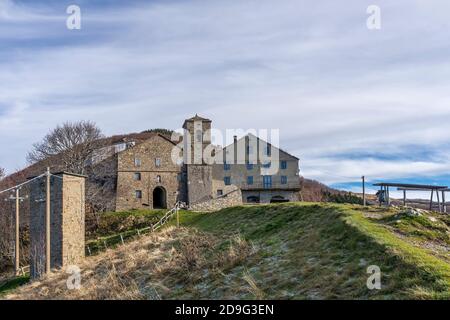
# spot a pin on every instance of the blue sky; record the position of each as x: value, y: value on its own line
x: 348, y: 101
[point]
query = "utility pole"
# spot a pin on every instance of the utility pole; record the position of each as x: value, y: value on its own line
x: 17, y: 252
x: 17, y: 199
x: 364, y: 189
x: 47, y: 225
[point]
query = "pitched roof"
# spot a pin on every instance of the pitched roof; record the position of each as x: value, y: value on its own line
x: 196, y: 118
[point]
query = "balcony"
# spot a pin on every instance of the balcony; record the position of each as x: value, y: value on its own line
x: 274, y: 186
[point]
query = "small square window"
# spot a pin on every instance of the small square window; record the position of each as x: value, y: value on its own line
x: 158, y: 162
x: 138, y: 194
x: 137, y: 176
x: 283, y: 180
x: 250, y: 180
x: 158, y: 179
x: 227, y: 181
x: 137, y: 162
x: 226, y: 166
x: 283, y: 164
x: 220, y: 192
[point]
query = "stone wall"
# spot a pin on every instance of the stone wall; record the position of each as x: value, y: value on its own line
x: 266, y: 196
x: 168, y: 175
x: 233, y: 198
x: 67, y: 227
x: 199, y: 183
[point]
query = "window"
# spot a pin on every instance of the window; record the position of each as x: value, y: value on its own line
x: 138, y: 194
x: 220, y: 192
x: 137, y: 176
x: 283, y: 180
x: 250, y: 180
x: 268, y: 149
x: 267, y: 182
x: 283, y: 164
x: 249, y: 166
x: 137, y: 162
x: 226, y: 166
x: 158, y: 179
x: 199, y: 135
x: 266, y: 164
x: 227, y: 181
x: 158, y: 162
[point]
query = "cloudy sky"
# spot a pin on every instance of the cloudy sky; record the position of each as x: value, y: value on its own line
x: 348, y: 101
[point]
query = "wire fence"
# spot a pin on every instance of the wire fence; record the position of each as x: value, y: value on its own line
x: 102, y: 244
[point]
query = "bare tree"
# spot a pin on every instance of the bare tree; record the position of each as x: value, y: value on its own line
x: 72, y: 142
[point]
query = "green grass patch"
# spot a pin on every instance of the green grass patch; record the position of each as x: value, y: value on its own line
x: 13, y: 284
x: 322, y: 251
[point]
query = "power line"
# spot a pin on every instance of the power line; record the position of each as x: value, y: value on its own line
x: 22, y: 184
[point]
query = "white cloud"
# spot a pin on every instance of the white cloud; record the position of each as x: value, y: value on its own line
x: 311, y: 69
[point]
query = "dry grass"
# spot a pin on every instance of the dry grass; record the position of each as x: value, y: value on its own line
x: 153, y: 267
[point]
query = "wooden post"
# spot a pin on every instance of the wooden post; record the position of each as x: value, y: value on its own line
x: 438, y: 201
x: 47, y: 225
x: 17, y: 241
x: 404, y: 198
x: 364, y: 190
x: 443, y: 202
x: 431, y: 201
x: 388, y: 197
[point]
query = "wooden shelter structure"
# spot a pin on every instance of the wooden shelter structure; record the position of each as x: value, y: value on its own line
x: 385, y: 188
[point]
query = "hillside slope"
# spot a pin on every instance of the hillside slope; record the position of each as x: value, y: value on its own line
x: 289, y: 251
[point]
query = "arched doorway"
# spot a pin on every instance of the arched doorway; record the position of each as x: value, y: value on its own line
x: 253, y: 199
x: 159, y: 198
x: 278, y: 199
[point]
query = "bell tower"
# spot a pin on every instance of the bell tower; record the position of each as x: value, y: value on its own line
x: 197, y: 136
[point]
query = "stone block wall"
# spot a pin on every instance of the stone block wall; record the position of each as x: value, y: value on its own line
x: 167, y: 175
x: 233, y: 198
x: 199, y: 183
x: 67, y: 222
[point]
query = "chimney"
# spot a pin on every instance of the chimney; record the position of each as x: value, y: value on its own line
x: 235, y: 149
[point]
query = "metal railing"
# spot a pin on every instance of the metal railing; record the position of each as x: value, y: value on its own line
x: 270, y: 186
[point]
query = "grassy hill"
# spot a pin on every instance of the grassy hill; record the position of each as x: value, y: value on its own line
x: 288, y: 251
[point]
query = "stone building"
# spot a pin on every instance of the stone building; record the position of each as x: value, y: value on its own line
x: 263, y: 173
x: 149, y: 176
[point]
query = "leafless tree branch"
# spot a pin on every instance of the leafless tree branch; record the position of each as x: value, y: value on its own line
x: 72, y: 142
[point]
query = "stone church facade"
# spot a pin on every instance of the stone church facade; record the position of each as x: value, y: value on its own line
x: 148, y: 176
